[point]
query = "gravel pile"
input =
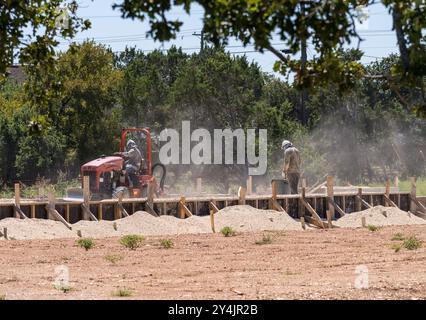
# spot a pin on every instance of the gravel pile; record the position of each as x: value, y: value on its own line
x: 379, y: 216
x: 247, y: 218
x: 35, y: 229
x: 240, y: 218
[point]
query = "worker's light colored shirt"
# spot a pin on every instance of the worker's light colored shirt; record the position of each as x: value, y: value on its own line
x: 292, y: 159
x: 133, y: 157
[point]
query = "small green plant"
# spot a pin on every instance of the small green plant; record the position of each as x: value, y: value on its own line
x: 63, y: 287
x: 113, y: 258
x: 2, y: 297
x: 123, y: 292
x: 372, y: 227
x: 396, y: 247
x: 412, y: 243
x: 398, y: 237
x: 166, y: 243
x: 266, y: 239
x: 227, y: 232
x: 86, y: 243
x: 132, y: 241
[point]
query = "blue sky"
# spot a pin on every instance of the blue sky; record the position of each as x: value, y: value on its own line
x: 110, y: 29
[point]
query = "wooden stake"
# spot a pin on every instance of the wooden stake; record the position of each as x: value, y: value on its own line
x: 5, y: 233
x: 274, y: 190
x: 301, y: 203
x: 363, y: 222
x: 52, y: 213
x: 198, y: 186
x: 420, y: 206
x: 328, y: 213
x: 242, y: 195
x: 86, y: 196
x: 67, y: 213
x: 17, y: 200
x: 88, y: 213
x: 330, y: 195
x: 336, y: 207
x: 100, y: 212
x: 358, y: 198
x: 363, y: 202
x: 302, y: 221
x: 413, y: 195
x: 387, y: 192
x: 314, y: 214
x: 389, y: 201
x: 120, y: 205
x: 213, y: 209
x: 151, y: 193
x: 183, y: 209
x: 249, y: 185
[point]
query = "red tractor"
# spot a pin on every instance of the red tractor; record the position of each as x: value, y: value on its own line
x: 107, y: 174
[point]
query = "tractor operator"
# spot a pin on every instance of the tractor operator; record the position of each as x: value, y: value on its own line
x: 133, y: 159
x: 292, y: 164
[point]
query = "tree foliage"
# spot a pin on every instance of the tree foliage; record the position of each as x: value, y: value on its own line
x: 328, y: 25
x: 369, y: 133
x: 28, y: 29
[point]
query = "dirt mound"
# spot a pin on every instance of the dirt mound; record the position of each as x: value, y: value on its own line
x: 379, y: 216
x: 20, y: 229
x: 240, y: 218
x: 189, y: 225
x: 247, y: 218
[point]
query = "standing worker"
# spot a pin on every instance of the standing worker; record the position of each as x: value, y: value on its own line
x: 292, y: 164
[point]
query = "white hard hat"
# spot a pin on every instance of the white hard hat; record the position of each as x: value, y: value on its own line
x: 285, y: 144
x: 130, y: 144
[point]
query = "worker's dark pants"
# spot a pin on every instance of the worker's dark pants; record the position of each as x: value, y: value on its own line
x: 293, y: 181
x: 132, y: 173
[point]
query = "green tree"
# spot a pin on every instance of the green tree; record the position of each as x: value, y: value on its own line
x: 29, y: 28
x: 328, y: 25
x: 145, y: 88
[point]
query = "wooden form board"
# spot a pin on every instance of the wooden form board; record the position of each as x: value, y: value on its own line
x: 320, y: 203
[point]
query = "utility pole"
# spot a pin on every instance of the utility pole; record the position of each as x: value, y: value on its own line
x: 201, y: 35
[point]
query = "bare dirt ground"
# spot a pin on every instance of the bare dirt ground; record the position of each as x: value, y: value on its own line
x: 312, y: 264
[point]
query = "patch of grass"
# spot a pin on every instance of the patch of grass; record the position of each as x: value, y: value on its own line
x: 63, y: 287
x: 2, y: 297
x: 228, y: 232
x: 396, y: 247
x: 132, y: 241
x: 266, y: 239
x: 113, y: 258
x: 166, y: 243
x: 405, y: 186
x: 291, y: 273
x: 412, y: 243
x: 372, y: 227
x: 398, y: 237
x: 123, y: 292
x: 86, y: 243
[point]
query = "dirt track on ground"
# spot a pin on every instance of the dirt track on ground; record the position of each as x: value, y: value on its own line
x: 314, y: 264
